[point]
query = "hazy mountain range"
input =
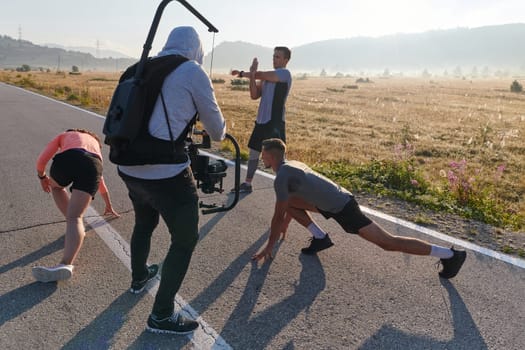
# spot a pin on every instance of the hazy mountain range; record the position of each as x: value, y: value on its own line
x: 490, y: 48
x: 15, y: 53
x: 99, y: 53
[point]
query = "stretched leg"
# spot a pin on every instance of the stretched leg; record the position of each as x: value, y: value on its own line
x: 451, y: 259
x: 75, y: 232
x: 375, y: 234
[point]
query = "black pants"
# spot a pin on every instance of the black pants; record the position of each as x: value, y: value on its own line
x: 176, y: 201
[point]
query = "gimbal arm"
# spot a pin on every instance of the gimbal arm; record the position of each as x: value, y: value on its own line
x: 155, y: 25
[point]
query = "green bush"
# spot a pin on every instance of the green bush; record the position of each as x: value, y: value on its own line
x: 240, y: 82
x: 240, y: 88
x: 516, y: 86
x: 72, y: 97
x: 24, y: 68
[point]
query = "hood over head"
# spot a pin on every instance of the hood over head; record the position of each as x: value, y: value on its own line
x: 184, y: 41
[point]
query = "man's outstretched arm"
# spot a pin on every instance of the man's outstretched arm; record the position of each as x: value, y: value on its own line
x: 278, y: 220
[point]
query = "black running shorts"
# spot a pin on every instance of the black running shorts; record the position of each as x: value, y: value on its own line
x: 350, y: 218
x: 79, y: 168
x: 262, y: 132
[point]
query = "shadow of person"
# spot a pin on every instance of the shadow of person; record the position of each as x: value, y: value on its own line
x: 100, y: 332
x: 151, y: 341
x: 18, y: 301
x: 207, y: 227
x: 257, y: 331
x: 50, y: 248
x: 466, y: 334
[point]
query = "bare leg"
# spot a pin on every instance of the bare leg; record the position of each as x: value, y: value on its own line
x: 298, y: 209
x: 375, y: 234
x: 253, y: 161
x: 60, y: 196
x: 75, y: 233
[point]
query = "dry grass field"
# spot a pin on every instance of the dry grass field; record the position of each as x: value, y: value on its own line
x: 471, y: 129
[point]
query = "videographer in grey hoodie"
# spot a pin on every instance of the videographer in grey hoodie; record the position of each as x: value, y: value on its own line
x: 169, y: 190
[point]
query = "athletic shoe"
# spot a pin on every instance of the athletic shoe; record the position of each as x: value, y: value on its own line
x: 52, y: 274
x: 452, y: 265
x: 175, y: 324
x: 244, y: 188
x: 317, y: 244
x: 138, y: 286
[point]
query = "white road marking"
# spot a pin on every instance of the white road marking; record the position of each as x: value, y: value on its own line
x: 204, y: 337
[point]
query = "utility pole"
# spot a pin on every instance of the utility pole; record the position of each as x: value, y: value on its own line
x: 19, y: 35
x: 98, y: 49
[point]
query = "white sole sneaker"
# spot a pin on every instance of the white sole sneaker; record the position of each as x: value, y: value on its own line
x: 52, y: 274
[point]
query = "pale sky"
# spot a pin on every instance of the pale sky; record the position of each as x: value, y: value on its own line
x: 123, y: 25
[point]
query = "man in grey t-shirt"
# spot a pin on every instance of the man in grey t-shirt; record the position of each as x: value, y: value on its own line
x: 300, y: 190
x: 273, y: 88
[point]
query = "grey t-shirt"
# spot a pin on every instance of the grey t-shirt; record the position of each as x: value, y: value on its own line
x: 273, y: 97
x: 297, y: 179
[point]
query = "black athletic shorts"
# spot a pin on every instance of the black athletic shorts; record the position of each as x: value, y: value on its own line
x: 79, y: 167
x: 350, y: 218
x: 262, y: 132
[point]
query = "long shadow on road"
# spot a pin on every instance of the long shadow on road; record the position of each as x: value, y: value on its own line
x: 101, y: 332
x: 36, y: 255
x: 22, y: 299
x: 259, y: 330
x: 466, y: 334
x: 256, y: 331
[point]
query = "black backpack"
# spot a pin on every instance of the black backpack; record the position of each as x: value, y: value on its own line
x: 127, y: 120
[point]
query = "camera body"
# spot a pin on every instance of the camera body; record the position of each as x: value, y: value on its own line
x: 208, y: 172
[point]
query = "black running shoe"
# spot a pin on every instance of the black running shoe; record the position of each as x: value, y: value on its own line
x: 138, y: 286
x: 175, y: 324
x: 244, y: 188
x: 317, y: 244
x: 452, y: 265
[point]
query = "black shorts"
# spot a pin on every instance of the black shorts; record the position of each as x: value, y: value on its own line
x: 79, y: 167
x: 262, y: 132
x: 350, y: 218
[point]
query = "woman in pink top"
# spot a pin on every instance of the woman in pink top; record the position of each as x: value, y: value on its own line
x: 77, y: 160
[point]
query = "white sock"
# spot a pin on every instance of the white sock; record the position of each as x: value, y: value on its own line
x: 316, y: 231
x: 441, y: 252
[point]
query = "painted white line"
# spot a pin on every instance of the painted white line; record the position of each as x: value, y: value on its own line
x: 457, y: 242
x: 204, y: 337
x: 485, y: 251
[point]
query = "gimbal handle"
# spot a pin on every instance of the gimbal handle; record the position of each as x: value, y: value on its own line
x: 237, y: 179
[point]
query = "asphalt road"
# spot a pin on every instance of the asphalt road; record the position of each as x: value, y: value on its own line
x: 352, y: 296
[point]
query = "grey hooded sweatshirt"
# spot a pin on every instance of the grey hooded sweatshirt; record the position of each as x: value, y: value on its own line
x: 187, y: 90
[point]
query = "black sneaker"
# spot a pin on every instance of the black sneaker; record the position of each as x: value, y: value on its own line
x: 244, y: 188
x: 138, y: 286
x: 317, y: 244
x: 452, y: 265
x: 175, y: 324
